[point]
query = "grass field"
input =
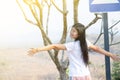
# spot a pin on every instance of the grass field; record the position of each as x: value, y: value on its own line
x: 15, y: 64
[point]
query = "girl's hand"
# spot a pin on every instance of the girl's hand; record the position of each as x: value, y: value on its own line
x: 115, y: 57
x: 32, y: 51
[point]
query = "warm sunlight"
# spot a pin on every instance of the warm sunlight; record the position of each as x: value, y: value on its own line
x: 15, y: 30
x: 30, y: 29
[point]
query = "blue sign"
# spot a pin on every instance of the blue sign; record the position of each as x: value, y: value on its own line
x: 104, y: 5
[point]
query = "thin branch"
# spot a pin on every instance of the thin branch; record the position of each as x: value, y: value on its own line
x: 47, y: 3
x: 64, y: 33
x: 31, y: 22
x: 99, y: 34
x: 32, y: 10
x: 40, y: 7
x: 98, y: 38
x: 58, y: 8
x: 32, y: 5
x: 114, y: 24
x: 40, y: 23
x: 34, y: 14
x: 49, y: 6
x: 28, y: 2
x: 93, y: 21
x: 75, y: 10
x: 25, y: 14
x: 115, y: 43
x: 112, y: 35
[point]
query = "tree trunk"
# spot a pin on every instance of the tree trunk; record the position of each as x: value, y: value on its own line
x: 75, y: 9
x: 63, y: 75
x: 64, y: 34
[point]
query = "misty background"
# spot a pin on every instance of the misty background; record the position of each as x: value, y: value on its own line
x: 16, y: 32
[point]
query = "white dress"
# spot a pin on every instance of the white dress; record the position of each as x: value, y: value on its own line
x: 76, y: 63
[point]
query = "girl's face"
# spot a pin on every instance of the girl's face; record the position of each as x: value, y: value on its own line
x: 73, y: 33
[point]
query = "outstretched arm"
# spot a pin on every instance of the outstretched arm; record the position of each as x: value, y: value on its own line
x: 104, y: 52
x: 32, y: 51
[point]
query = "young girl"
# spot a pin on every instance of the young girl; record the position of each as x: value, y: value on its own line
x: 77, y: 53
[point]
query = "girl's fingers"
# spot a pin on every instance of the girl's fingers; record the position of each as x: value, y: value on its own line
x: 116, y: 58
x: 31, y: 52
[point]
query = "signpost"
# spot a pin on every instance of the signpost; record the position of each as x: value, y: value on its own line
x: 104, y: 6
x: 106, y: 46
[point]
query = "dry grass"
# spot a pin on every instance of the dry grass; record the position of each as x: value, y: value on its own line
x: 97, y: 67
x: 15, y: 64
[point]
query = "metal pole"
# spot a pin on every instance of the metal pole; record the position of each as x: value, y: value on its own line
x: 106, y: 45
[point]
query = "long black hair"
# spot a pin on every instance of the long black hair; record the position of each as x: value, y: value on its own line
x: 82, y: 38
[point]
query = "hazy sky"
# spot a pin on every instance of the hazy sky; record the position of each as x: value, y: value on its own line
x: 15, y: 31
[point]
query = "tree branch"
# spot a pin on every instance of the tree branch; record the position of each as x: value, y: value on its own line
x: 75, y: 9
x: 40, y: 7
x: 58, y: 8
x: 64, y: 34
x: 25, y: 14
x: 115, y: 43
x: 49, y: 6
x: 99, y: 35
x: 93, y: 21
x: 114, y: 24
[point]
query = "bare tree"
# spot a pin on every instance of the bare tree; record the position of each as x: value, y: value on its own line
x: 36, y: 8
x: 112, y: 34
